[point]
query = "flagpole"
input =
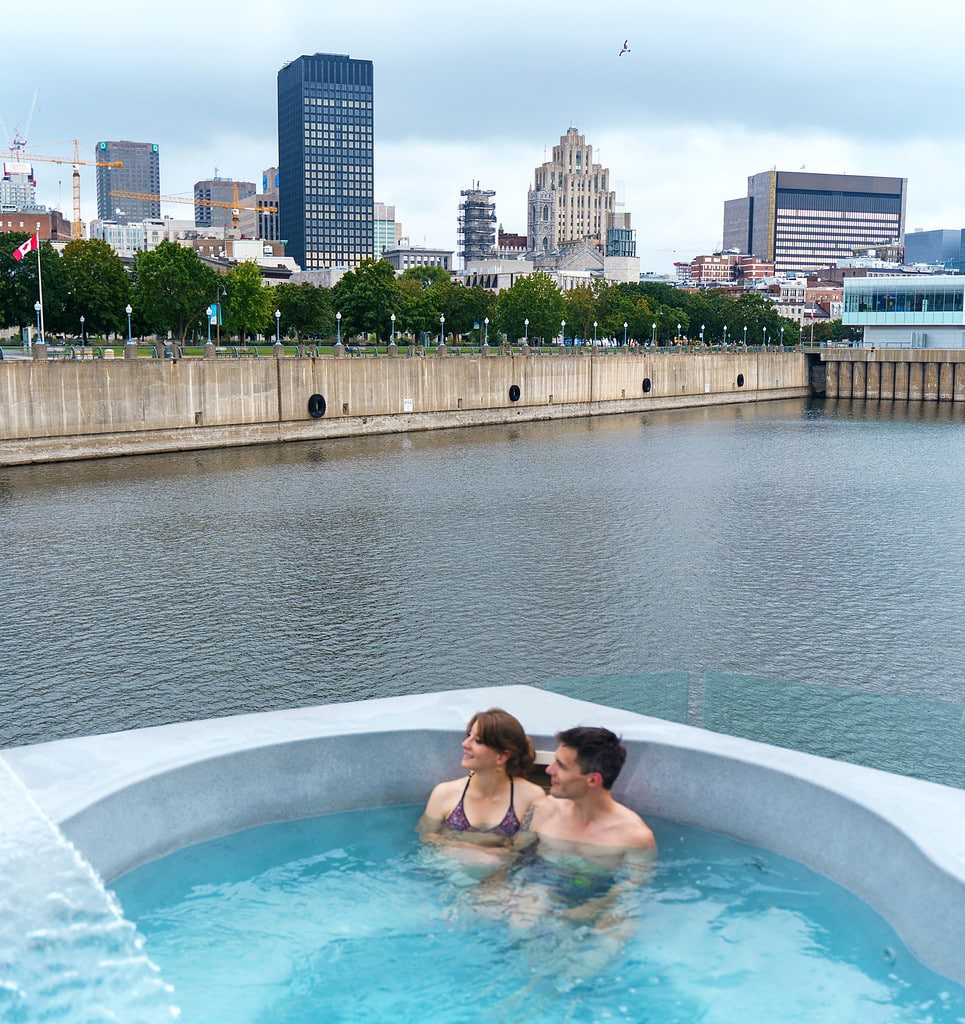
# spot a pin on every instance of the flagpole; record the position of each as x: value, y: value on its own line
x: 40, y: 286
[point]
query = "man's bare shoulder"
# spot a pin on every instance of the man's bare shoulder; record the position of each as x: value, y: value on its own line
x: 634, y: 832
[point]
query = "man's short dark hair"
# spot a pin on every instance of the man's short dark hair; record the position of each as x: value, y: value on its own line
x: 597, y: 750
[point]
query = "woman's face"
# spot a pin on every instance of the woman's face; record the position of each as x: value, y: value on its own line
x: 477, y: 756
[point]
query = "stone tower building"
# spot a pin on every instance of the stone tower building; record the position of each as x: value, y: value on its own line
x: 569, y: 201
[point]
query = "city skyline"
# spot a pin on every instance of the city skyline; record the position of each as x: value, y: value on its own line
x: 701, y: 102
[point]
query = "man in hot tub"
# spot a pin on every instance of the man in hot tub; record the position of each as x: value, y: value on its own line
x: 591, y: 852
x: 581, y: 814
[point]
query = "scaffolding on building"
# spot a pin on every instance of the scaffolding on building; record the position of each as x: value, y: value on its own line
x: 477, y: 224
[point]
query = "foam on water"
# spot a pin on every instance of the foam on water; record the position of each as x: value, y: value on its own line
x: 66, y: 952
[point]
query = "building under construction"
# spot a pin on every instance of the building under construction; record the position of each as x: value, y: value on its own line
x: 477, y: 224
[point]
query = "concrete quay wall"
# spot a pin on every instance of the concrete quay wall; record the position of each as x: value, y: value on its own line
x: 59, y: 410
x: 913, y: 375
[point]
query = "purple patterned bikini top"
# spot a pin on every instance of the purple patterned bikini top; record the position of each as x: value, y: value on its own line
x: 458, y: 821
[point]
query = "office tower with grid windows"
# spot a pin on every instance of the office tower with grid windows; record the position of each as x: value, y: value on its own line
x: 325, y: 160
x: 802, y: 222
x: 224, y: 191
x: 139, y: 172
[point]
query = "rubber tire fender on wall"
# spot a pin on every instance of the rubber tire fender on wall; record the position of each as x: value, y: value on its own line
x: 316, y: 406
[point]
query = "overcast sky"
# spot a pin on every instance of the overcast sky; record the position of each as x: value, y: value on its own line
x: 709, y: 94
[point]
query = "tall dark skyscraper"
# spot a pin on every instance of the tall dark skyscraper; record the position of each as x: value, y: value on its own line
x: 140, y: 173
x: 325, y: 160
x: 804, y: 221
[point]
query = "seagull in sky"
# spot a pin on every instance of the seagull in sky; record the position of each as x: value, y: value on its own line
x: 626, y: 48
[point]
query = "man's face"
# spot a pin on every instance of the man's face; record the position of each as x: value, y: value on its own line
x: 567, y: 781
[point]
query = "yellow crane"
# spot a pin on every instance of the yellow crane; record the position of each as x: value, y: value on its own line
x: 76, y: 227
x: 235, y: 207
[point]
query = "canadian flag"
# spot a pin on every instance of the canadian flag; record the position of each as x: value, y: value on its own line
x: 30, y: 245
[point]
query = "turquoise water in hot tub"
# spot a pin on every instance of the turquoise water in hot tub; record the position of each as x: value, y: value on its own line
x: 347, y: 918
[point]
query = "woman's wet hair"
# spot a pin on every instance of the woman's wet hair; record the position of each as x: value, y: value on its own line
x: 501, y: 731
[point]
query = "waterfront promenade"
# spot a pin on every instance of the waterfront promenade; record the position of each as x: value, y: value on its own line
x: 55, y: 410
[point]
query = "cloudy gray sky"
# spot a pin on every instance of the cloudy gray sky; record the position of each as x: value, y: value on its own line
x: 709, y: 94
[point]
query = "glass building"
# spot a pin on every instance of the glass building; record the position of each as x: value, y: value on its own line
x: 911, y: 311
x: 803, y: 222
x: 325, y: 160
x: 139, y: 172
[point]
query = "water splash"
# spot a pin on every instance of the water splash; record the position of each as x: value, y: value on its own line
x: 66, y: 952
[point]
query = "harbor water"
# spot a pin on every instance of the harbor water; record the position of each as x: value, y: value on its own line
x: 802, y: 559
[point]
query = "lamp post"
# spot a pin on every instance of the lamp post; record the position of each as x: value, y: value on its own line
x: 594, y: 332
x: 486, y: 330
x: 210, y: 312
x: 217, y: 312
x: 764, y: 342
x: 392, y: 339
x: 37, y: 311
x: 526, y: 331
x: 338, y: 328
x: 624, y: 334
x: 277, y: 326
x: 702, y: 329
x: 442, y: 328
x: 800, y: 334
x: 745, y: 335
x: 563, y: 331
x: 83, y: 336
x: 128, y: 310
x: 782, y: 336
x: 653, y: 334
x: 677, y: 339
x: 725, y: 335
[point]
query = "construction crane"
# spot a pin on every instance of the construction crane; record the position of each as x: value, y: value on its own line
x: 234, y: 207
x: 77, y: 226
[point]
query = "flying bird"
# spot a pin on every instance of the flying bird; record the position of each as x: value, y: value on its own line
x: 626, y: 48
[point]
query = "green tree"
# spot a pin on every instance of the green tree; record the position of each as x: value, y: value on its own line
x: 579, y: 310
x: 97, y: 285
x: 19, y: 290
x: 466, y: 309
x: 172, y: 289
x: 536, y: 298
x: 248, y: 306
x: 306, y: 310
x: 427, y: 276
x: 366, y: 297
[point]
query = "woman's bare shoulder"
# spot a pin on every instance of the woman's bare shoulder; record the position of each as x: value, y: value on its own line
x: 444, y: 797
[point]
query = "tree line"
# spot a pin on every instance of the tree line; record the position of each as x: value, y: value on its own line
x: 170, y: 290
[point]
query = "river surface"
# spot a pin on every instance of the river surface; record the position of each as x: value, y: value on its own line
x: 814, y: 544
